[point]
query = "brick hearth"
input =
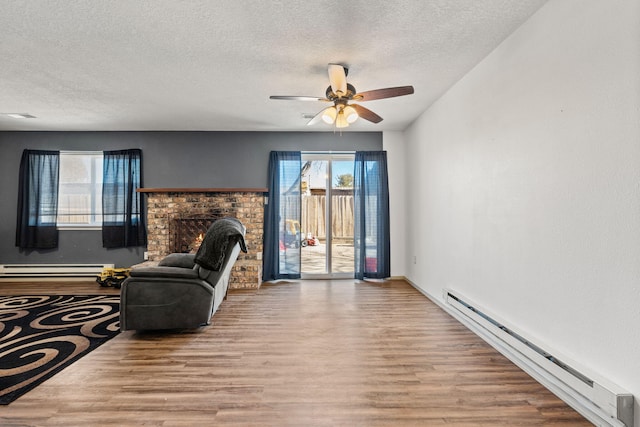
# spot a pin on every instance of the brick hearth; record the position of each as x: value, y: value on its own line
x: 247, y: 205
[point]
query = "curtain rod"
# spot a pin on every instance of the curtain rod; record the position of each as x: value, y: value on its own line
x: 328, y: 152
x: 80, y: 152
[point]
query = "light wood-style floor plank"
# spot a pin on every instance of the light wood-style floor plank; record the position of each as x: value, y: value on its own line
x: 307, y: 353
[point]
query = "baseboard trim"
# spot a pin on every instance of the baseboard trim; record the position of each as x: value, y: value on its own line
x: 47, y: 279
x: 572, y: 398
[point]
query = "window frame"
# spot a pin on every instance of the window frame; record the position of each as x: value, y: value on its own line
x: 96, y: 200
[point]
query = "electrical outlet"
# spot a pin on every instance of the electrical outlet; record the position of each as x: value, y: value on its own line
x: 145, y: 256
x: 259, y: 256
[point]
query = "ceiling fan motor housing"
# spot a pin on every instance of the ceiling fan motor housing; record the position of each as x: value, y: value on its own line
x: 351, y: 91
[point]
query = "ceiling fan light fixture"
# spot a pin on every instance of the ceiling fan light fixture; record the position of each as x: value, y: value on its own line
x: 329, y: 115
x: 350, y: 114
x: 341, y: 120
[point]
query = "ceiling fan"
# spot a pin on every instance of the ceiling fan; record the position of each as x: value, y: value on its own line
x: 340, y: 93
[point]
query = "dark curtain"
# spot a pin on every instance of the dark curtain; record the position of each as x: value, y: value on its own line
x: 282, y: 217
x: 122, y: 221
x: 371, y: 215
x: 38, y: 200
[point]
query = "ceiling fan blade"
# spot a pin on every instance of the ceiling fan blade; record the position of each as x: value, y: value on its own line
x: 298, y: 98
x: 389, y: 92
x: 338, y: 79
x: 316, y: 119
x: 367, y: 114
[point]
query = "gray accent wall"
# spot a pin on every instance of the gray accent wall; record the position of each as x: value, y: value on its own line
x: 170, y: 159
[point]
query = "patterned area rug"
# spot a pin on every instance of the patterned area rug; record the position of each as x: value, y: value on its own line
x: 41, y: 335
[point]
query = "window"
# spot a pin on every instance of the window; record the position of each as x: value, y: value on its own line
x: 80, y: 189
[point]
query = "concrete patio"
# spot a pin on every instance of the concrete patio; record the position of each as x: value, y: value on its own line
x: 314, y: 258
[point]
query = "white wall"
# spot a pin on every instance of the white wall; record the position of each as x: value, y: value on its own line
x: 525, y: 186
x: 393, y: 144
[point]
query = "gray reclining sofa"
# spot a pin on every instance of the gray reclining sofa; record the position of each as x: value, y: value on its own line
x: 184, y: 290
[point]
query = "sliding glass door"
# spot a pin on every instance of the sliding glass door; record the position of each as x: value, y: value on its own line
x: 326, y: 227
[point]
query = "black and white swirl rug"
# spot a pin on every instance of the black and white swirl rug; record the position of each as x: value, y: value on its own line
x: 41, y: 335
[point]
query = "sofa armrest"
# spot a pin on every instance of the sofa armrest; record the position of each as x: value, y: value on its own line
x: 178, y: 260
x: 165, y: 272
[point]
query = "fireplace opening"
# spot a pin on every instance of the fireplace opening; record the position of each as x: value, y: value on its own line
x: 186, y: 233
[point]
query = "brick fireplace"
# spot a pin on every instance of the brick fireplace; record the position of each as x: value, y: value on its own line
x: 176, y: 216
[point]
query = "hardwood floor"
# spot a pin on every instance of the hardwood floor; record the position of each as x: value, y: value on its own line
x: 308, y: 353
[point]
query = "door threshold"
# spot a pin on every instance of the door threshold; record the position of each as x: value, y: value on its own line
x: 325, y: 276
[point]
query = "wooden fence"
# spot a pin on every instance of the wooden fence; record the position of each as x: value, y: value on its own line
x: 314, y: 217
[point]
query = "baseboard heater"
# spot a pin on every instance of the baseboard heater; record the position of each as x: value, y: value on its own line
x: 598, y: 400
x: 30, y: 271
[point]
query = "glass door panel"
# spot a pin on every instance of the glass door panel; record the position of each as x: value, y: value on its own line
x: 313, y: 230
x: 327, y: 216
x: 342, y: 249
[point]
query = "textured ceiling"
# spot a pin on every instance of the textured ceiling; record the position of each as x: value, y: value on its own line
x: 211, y: 65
